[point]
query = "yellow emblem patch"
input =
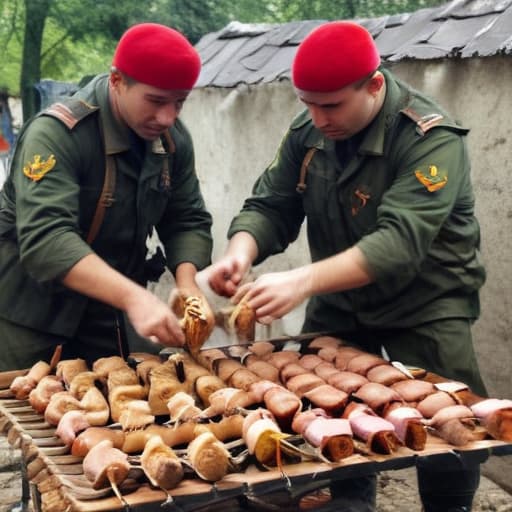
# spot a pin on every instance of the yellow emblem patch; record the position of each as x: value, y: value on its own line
x: 432, y: 181
x: 38, y: 168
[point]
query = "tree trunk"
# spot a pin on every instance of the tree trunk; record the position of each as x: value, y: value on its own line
x: 35, y: 17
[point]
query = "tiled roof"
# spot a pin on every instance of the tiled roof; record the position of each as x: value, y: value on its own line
x: 259, y: 53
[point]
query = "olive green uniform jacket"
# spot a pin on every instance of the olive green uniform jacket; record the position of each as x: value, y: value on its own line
x: 404, y: 198
x: 44, y: 223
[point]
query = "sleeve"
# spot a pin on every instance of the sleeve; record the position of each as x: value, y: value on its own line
x: 274, y: 213
x: 431, y: 183
x: 185, y: 228
x: 45, y: 175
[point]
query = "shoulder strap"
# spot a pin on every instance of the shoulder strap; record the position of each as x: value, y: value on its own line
x: 69, y: 112
x: 301, y: 185
x: 423, y: 123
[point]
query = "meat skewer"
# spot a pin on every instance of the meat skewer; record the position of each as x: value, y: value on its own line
x: 103, y: 464
x: 22, y: 385
x: 161, y: 465
x: 496, y: 416
x: 208, y: 456
x: 378, y: 433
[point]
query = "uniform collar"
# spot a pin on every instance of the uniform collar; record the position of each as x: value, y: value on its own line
x: 373, y: 142
x: 115, y: 134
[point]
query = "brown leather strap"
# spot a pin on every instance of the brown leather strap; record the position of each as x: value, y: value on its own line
x: 301, y: 185
x: 171, y: 147
x: 106, y: 198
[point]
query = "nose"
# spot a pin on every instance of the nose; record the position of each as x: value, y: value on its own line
x: 318, y: 116
x: 167, y: 114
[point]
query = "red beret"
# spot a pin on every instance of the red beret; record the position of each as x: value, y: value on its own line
x: 333, y: 56
x: 157, y: 55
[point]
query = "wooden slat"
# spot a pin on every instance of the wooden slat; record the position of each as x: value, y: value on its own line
x: 7, y: 377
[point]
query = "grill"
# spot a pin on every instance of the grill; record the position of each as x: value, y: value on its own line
x: 57, y: 482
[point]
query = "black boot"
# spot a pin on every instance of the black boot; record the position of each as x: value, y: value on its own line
x: 447, y: 491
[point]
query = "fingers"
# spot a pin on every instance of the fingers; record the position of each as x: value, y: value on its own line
x: 163, y: 328
x: 219, y: 275
x: 225, y: 277
x: 244, y: 292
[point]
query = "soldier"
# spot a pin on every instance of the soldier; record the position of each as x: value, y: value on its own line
x: 381, y: 173
x: 91, y: 177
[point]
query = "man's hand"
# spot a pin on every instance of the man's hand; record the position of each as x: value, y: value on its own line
x: 153, y: 319
x: 225, y: 276
x: 273, y: 295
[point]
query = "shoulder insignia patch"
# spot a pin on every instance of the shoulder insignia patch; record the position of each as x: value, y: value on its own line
x: 432, y: 181
x: 38, y: 168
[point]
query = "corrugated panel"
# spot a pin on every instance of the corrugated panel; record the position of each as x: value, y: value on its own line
x: 279, y: 66
x: 214, y: 48
x: 236, y: 29
x: 397, y: 20
x: 282, y: 34
x: 497, y: 38
x: 480, y: 8
x: 254, y: 53
x: 415, y: 44
x: 374, y: 25
x: 304, y: 29
x: 222, y: 58
x: 418, y: 52
x: 260, y: 57
x: 206, y: 41
x: 417, y: 28
x: 251, y: 57
x: 454, y: 34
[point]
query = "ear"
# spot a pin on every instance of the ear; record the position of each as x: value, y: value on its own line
x: 376, y: 83
x: 115, y: 78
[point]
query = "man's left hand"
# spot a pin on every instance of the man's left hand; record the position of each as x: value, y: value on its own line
x: 276, y: 294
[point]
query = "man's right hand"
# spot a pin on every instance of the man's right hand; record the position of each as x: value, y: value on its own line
x: 150, y: 317
x: 153, y: 319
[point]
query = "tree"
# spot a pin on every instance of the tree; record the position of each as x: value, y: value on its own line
x: 70, y: 21
x: 35, y: 16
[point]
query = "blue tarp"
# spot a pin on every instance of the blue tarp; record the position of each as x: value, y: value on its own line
x: 50, y: 91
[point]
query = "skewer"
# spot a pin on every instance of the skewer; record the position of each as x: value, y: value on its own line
x: 112, y: 479
x: 169, y: 502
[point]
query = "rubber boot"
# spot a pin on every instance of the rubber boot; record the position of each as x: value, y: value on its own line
x: 447, y: 491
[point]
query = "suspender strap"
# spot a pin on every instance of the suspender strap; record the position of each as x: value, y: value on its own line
x: 106, y: 198
x: 301, y: 185
x: 169, y: 143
